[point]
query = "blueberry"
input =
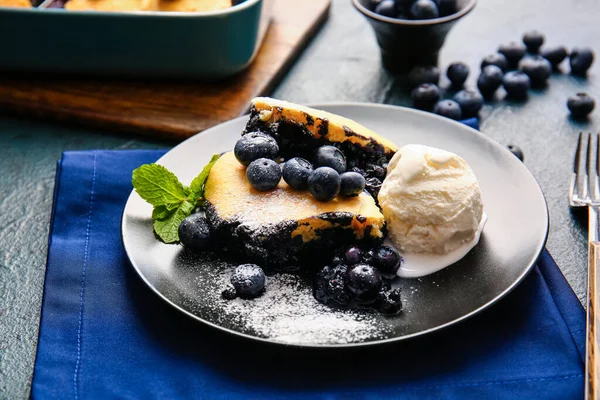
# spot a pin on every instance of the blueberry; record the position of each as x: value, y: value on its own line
x: 229, y: 292
x: 425, y: 96
x: 419, y: 75
x: 424, y: 9
x: 537, y: 68
x: 555, y: 55
x: 296, y: 172
x: 387, y: 8
x: 447, y: 7
x: 194, y: 232
x: 330, y: 286
x: 513, y: 52
x: 516, y: 151
x: 457, y: 73
x: 368, y: 257
x: 374, y: 3
x: 351, y: 184
x: 373, y: 185
x: 497, y: 59
x: 263, y: 174
x: 581, y: 59
x: 470, y: 102
x: 516, y: 84
x: 324, y: 183
x: 255, y: 145
x: 533, y: 40
x: 248, y: 280
x: 390, y: 301
x: 363, y: 281
x: 330, y: 156
x: 448, y: 108
x: 387, y: 260
x: 353, y: 255
x: 581, y: 105
x: 489, y: 80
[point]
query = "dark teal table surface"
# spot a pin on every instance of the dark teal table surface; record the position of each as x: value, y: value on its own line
x: 341, y: 64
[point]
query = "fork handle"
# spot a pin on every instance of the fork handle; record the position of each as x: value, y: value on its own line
x: 592, y: 365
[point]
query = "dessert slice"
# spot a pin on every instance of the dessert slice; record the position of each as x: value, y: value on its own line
x: 283, y: 226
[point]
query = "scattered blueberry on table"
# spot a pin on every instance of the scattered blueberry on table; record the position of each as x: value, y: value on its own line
x: 248, y: 281
x: 449, y: 109
x: 555, y: 55
x: 470, y: 102
x: 490, y: 80
x: 324, y: 183
x: 516, y: 84
x: 263, y: 174
x: 497, y: 59
x: 457, y: 73
x: 581, y: 59
x: 513, y: 51
x: 537, y: 68
x: 425, y: 96
x: 423, y: 74
x: 533, y: 40
x: 516, y: 150
x: 581, y: 105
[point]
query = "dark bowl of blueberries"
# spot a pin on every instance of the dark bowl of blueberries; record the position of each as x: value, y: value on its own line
x: 412, y: 32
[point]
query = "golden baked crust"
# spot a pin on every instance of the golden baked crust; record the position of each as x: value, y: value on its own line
x: 15, y: 3
x: 193, y: 5
x: 147, y: 5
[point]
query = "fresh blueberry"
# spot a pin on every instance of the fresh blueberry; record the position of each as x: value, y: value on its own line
x: 470, y: 102
x: 497, y: 59
x: 263, y: 174
x: 330, y: 156
x: 363, y: 281
x: 516, y: 84
x: 330, y: 286
x: 353, y: 255
x: 194, y: 232
x: 390, y: 301
x: 581, y: 105
x: 387, y: 260
x: 255, y: 145
x: 581, y: 59
x: 296, y: 172
x: 248, y: 280
x: 457, y: 73
x: 489, y: 80
x: 516, y: 150
x: 373, y: 185
x: 425, y: 96
x: 447, y: 7
x: 419, y: 75
x: 387, y: 8
x: 229, y: 292
x: 513, y: 52
x: 537, y: 68
x: 351, y: 184
x: 555, y: 55
x: 449, y: 109
x: 533, y: 40
x: 424, y: 9
x: 324, y: 183
x: 373, y: 4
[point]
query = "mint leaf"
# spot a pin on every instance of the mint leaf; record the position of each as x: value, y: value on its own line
x: 197, y: 185
x: 158, y: 186
x: 161, y: 212
x: 167, y: 228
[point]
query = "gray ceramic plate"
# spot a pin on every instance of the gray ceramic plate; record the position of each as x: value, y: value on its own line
x: 512, y: 240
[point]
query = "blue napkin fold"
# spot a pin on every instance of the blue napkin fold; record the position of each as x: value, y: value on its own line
x: 105, y: 335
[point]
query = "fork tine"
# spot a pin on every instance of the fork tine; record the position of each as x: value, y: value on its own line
x: 577, y: 153
x: 589, y: 168
x: 595, y: 189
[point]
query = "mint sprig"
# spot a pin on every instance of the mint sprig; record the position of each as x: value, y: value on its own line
x: 172, y: 201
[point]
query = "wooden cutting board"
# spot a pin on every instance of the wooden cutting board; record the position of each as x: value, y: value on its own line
x: 169, y: 109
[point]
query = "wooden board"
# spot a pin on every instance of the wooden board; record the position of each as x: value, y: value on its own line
x: 169, y: 109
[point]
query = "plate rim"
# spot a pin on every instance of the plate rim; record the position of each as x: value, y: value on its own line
x: 325, y: 106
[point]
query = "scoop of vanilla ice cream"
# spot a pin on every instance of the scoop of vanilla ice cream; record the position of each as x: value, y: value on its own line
x: 430, y: 199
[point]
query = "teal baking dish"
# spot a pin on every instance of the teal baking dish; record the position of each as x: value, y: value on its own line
x: 207, y: 45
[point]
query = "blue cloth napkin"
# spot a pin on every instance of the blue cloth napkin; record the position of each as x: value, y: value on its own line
x: 105, y: 335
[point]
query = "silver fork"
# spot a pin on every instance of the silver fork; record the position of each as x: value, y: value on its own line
x: 584, y: 191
